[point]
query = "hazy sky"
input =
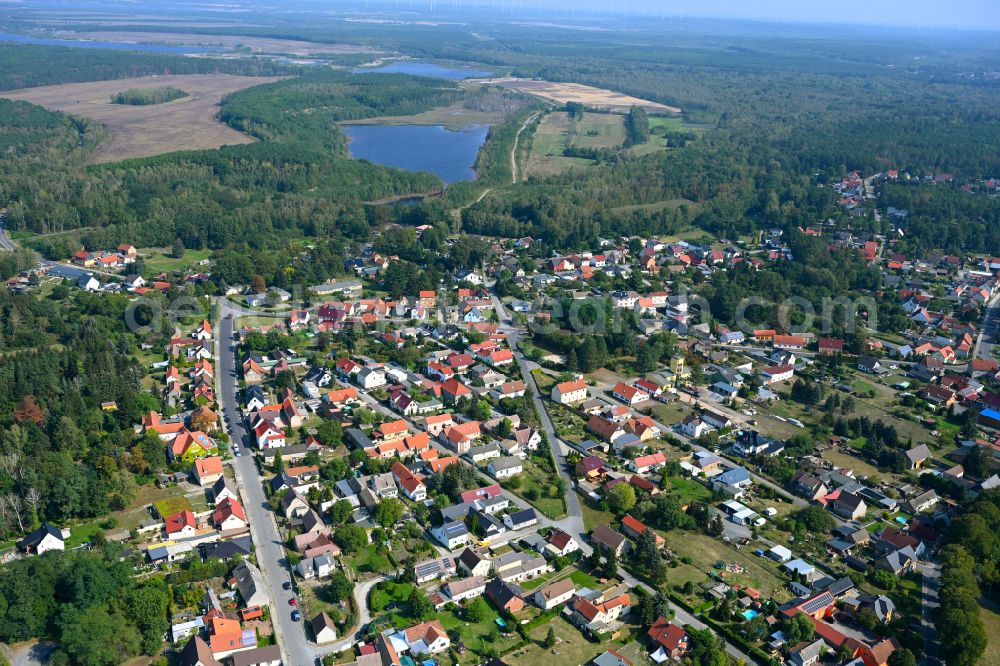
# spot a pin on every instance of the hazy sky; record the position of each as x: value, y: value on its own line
x: 977, y: 14
x: 967, y: 14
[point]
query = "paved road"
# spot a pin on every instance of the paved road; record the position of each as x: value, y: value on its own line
x: 5, y: 242
x: 987, y: 331
x: 930, y: 583
x: 270, y: 548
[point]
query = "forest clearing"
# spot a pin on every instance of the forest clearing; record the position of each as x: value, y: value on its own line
x: 189, y: 123
x: 562, y: 93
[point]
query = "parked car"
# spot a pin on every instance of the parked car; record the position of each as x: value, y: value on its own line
x: 296, y: 616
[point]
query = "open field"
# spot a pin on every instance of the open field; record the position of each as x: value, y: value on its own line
x: 240, y: 42
x: 599, y: 130
x: 454, y: 117
x: 561, y: 93
x: 551, y: 138
x: 188, y: 123
x: 159, y: 259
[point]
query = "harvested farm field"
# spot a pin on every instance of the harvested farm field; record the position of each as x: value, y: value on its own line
x: 561, y: 93
x: 188, y: 123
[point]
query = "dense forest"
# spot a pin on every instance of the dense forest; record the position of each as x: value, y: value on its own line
x: 30, y: 65
x: 147, y: 96
x: 63, y: 456
x: 88, y: 601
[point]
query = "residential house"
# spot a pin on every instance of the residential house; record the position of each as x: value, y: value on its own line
x: 604, y: 536
x: 733, y: 481
x: 671, y: 640
x: 554, y: 594
x: 437, y: 568
x: 465, y: 588
x: 519, y: 520
x: 561, y: 543
x: 229, y: 515
x: 197, y: 653
x: 250, y: 584
x: 849, y: 506
x: 599, y: 617
x: 208, y: 470
x: 648, y: 463
x: 222, y: 489
x: 323, y: 628
x: 567, y: 393
x: 634, y: 529
x: 505, y: 596
x: 808, y: 486
x: 475, y: 562
x: 918, y: 455
x: 426, y: 638
x: 504, y: 468
x: 180, y: 524
x: 451, y: 535
x: 694, y: 426
x: 630, y: 395
x: 777, y: 373
x: 45, y: 538
x: 412, y: 484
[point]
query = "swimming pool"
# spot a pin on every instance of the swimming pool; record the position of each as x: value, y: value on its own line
x: 749, y: 614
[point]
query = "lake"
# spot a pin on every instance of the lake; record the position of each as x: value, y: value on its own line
x: 117, y: 46
x: 448, y: 154
x: 423, y: 69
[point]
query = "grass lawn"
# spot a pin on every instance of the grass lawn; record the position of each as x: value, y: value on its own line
x: 536, y: 482
x: 859, y: 465
x: 314, y: 599
x: 473, y: 634
x: 389, y: 592
x: 593, y: 515
x: 544, y: 380
x: 584, y: 579
x: 705, y: 551
x: 581, y: 578
x: 571, y: 647
x: 682, y: 573
x: 991, y: 621
x: 368, y: 560
x: 687, y: 490
x: 158, y: 259
x: 669, y: 414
